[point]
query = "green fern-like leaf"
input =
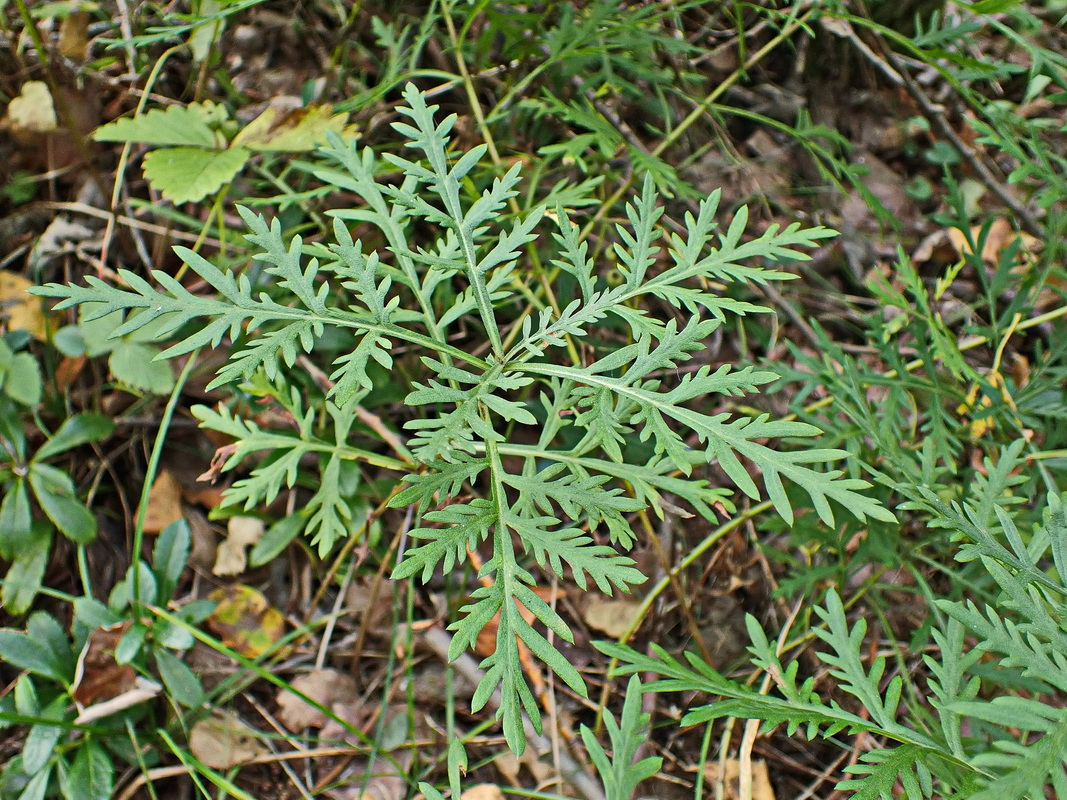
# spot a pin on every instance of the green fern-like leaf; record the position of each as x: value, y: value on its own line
x: 620, y: 773
x: 514, y: 441
x: 991, y: 743
x: 884, y: 769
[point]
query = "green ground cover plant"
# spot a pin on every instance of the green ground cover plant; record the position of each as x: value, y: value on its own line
x: 979, y: 738
x: 523, y: 337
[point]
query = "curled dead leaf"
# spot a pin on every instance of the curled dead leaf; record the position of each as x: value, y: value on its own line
x: 98, y: 675
x: 218, y: 463
x: 102, y: 686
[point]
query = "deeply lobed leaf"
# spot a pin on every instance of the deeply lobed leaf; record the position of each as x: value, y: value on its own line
x: 475, y: 410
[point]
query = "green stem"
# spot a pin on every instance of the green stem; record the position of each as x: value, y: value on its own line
x: 150, y: 474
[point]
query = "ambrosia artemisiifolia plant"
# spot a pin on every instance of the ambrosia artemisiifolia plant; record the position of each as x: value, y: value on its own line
x: 545, y: 496
x: 997, y: 670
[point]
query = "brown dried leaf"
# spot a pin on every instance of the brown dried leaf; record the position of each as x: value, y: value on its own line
x: 222, y: 741
x: 164, y: 503
x: 611, y: 616
x: 218, y: 463
x: 205, y: 541
x: 98, y: 675
x: 1001, y: 235
x: 325, y: 686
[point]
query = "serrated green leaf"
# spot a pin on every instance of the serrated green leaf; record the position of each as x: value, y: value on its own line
x: 40, y: 745
x: 462, y: 525
x: 23, y: 651
x: 445, y: 479
x: 134, y: 364
x: 26, y: 699
x: 189, y: 174
x: 37, y: 786
x: 94, y: 614
x: 620, y: 774
x: 16, y: 518
x: 331, y: 514
x: 121, y: 596
x: 170, y: 557
x: 723, y: 439
x: 552, y: 545
x: 882, y: 769
x: 458, y: 281
x: 172, y: 126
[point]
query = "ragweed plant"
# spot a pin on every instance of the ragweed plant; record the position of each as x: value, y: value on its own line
x: 515, y: 439
x: 995, y: 727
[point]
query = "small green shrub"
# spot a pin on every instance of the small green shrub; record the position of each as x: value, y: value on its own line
x: 568, y: 481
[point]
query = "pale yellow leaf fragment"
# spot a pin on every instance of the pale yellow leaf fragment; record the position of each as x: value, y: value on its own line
x: 241, y: 532
x: 296, y: 130
x: 483, y: 791
x: 74, y: 36
x: 20, y: 310
x: 32, y: 110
